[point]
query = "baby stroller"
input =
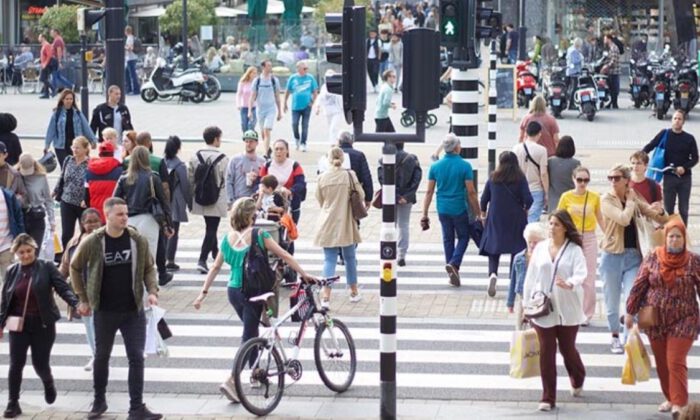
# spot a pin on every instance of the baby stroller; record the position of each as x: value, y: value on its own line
x: 408, y: 118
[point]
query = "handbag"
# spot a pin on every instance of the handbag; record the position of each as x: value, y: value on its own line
x: 524, y: 354
x: 35, y: 213
x: 155, y: 207
x: 359, y: 211
x: 377, y: 199
x: 658, y: 159
x: 540, y: 303
x: 648, y: 317
x: 16, y: 323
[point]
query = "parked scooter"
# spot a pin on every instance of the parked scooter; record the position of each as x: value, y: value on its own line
x: 686, y: 88
x: 600, y: 77
x: 166, y: 82
x: 554, y: 89
x: 640, y: 83
x: 663, y: 82
x: 586, y: 94
x: 526, y: 83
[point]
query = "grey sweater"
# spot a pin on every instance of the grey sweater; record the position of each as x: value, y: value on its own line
x: 38, y: 194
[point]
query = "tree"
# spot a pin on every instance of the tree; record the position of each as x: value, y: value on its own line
x: 336, y: 6
x: 199, y: 13
x: 64, y: 18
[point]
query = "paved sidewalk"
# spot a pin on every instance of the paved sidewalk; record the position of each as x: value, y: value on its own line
x: 74, y: 405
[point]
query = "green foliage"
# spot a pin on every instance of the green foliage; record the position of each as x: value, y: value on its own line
x: 64, y: 18
x: 336, y: 6
x: 199, y: 13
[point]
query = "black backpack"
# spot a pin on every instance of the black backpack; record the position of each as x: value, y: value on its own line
x: 207, y: 189
x: 258, y: 277
x: 138, y: 46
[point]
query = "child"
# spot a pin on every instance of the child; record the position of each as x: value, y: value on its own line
x: 533, y: 234
x: 110, y: 135
x: 270, y: 202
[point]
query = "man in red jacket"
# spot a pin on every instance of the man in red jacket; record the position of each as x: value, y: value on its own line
x: 101, y: 177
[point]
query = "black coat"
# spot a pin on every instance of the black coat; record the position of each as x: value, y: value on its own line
x: 103, y: 117
x: 408, y: 175
x: 358, y: 163
x: 45, y: 280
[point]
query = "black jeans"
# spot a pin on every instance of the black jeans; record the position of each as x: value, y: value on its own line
x: 171, y: 248
x: 675, y: 186
x: 132, y: 326
x: 210, y: 243
x: 62, y: 153
x: 614, y: 81
x: 384, y: 125
x: 36, y: 229
x: 248, y: 312
x: 70, y: 214
x: 160, y: 252
x: 495, y: 260
x: 373, y: 71
x: 40, y: 339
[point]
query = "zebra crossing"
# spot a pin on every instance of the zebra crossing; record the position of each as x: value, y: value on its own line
x: 437, y: 358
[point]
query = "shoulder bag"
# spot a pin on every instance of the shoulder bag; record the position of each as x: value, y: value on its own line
x: 583, y: 220
x: 359, y: 211
x: 16, y: 323
x: 541, y: 303
x: 648, y: 317
x: 154, y: 206
x: 658, y: 159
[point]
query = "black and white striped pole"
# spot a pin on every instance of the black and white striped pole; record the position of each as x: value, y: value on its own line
x: 492, y: 107
x: 387, y: 287
x: 465, y: 114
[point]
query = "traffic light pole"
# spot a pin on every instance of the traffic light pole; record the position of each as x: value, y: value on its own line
x: 84, y: 97
x: 114, y: 34
x: 465, y: 114
x: 492, y: 107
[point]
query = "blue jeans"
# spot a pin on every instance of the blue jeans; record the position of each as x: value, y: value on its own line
x: 618, y: 272
x: 248, y: 312
x: 330, y: 258
x: 512, y: 56
x: 451, y: 224
x: 535, y: 211
x: 58, y: 78
x: 248, y: 123
x: 132, y: 79
x: 304, y: 114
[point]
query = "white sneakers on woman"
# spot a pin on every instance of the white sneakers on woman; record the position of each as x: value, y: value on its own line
x: 544, y: 406
x: 88, y: 365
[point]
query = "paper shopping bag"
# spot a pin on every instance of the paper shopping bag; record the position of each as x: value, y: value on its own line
x: 57, y: 245
x: 525, y: 354
x: 638, y: 365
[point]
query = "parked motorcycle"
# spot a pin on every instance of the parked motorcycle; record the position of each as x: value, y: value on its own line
x: 586, y: 95
x: 640, y: 83
x: 166, y: 82
x: 212, y: 86
x: 600, y: 77
x: 686, y: 87
x: 525, y: 83
x: 663, y: 83
x: 554, y: 89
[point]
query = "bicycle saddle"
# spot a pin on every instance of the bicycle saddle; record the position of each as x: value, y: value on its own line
x: 261, y: 298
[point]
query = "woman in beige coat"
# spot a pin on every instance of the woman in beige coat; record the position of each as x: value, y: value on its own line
x: 337, y: 227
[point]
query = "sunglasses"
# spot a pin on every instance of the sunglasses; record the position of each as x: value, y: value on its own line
x: 583, y: 180
x: 614, y: 178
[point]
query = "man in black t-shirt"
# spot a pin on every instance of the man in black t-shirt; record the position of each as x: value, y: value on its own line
x: 682, y: 154
x: 119, y: 267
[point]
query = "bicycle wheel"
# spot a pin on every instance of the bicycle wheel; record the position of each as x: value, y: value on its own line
x: 259, y: 376
x: 334, y: 354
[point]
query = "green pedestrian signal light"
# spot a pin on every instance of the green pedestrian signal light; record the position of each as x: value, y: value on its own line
x: 449, y: 23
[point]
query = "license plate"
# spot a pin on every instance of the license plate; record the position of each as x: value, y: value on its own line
x: 585, y: 98
x: 601, y: 94
x: 635, y: 89
x: 556, y: 102
x: 684, y: 95
x: 528, y: 91
x: 660, y: 96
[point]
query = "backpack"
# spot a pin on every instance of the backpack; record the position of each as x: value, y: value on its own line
x: 257, y: 84
x: 207, y: 189
x: 138, y: 46
x: 258, y: 277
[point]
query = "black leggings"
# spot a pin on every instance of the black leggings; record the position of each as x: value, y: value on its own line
x: 70, y: 214
x: 172, y: 243
x: 495, y: 260
x: 160, y: 252
x: 36, y: 229
x: 210, y: 243
x: 40, y: 339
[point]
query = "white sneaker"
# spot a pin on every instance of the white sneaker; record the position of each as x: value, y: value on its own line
x: 228, y: 388
x: 577, y: 392
x: 544, y: 407
x: 354, y: 298
x: 88, y: 365
x: 492, y: 285
x: 616, y: 346
x: 303, y: 148
x: 296, y: 143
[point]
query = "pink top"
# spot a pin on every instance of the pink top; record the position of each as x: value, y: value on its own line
x: 245, y: 89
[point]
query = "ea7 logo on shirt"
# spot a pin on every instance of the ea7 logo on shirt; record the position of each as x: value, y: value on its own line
x: 118, y: 258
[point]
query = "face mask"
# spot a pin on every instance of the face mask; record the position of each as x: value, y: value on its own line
x: 674, y: 250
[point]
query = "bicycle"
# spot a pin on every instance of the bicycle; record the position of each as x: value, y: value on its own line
x: 261, y: 364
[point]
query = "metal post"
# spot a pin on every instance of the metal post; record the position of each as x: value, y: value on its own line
x: 661, y: 37
x: 84, y: 97
x: 492, y: 107
x: 465, y: 114
x: 114, y: 34
x: 522, y: 33
x: 185, y: 49
x: 387, y: 286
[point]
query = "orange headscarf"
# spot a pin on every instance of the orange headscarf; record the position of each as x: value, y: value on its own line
x: 672, y: 266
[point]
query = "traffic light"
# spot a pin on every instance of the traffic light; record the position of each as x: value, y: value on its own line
x: 351, y: 55
x: 421, y: 70
x: 87, y: 18
x: 450, y: 24
x: 490, y: 20
x: 462, y: 24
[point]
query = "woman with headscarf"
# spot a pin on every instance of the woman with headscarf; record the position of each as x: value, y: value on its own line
x: 669, y: 281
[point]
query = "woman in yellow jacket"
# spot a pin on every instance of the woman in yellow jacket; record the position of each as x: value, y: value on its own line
x: 337, y: 227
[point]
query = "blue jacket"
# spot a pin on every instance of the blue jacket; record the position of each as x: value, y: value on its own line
x: 517, y: 277
x: 56, y: 132
x: 14, y: 212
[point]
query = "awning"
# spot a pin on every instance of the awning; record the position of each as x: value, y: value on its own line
x: 146, y: 13
x: 228, y: 12
x: 275, y: 7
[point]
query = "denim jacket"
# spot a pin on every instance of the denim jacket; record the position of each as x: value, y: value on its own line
x: 56, y: 132
x: 517, y: 277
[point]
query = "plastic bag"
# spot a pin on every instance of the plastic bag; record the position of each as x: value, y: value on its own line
x: 154, y: 342
x: 47, y: 251
x: 638, y: 365
x: 525, y: 354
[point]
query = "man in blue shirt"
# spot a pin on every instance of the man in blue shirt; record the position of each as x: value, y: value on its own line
x: 453, y: 177
x: 304, y: 89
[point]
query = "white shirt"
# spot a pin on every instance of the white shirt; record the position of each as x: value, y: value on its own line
x: 539, y: 155
x: 568, y: 306
x: 331, y: 103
